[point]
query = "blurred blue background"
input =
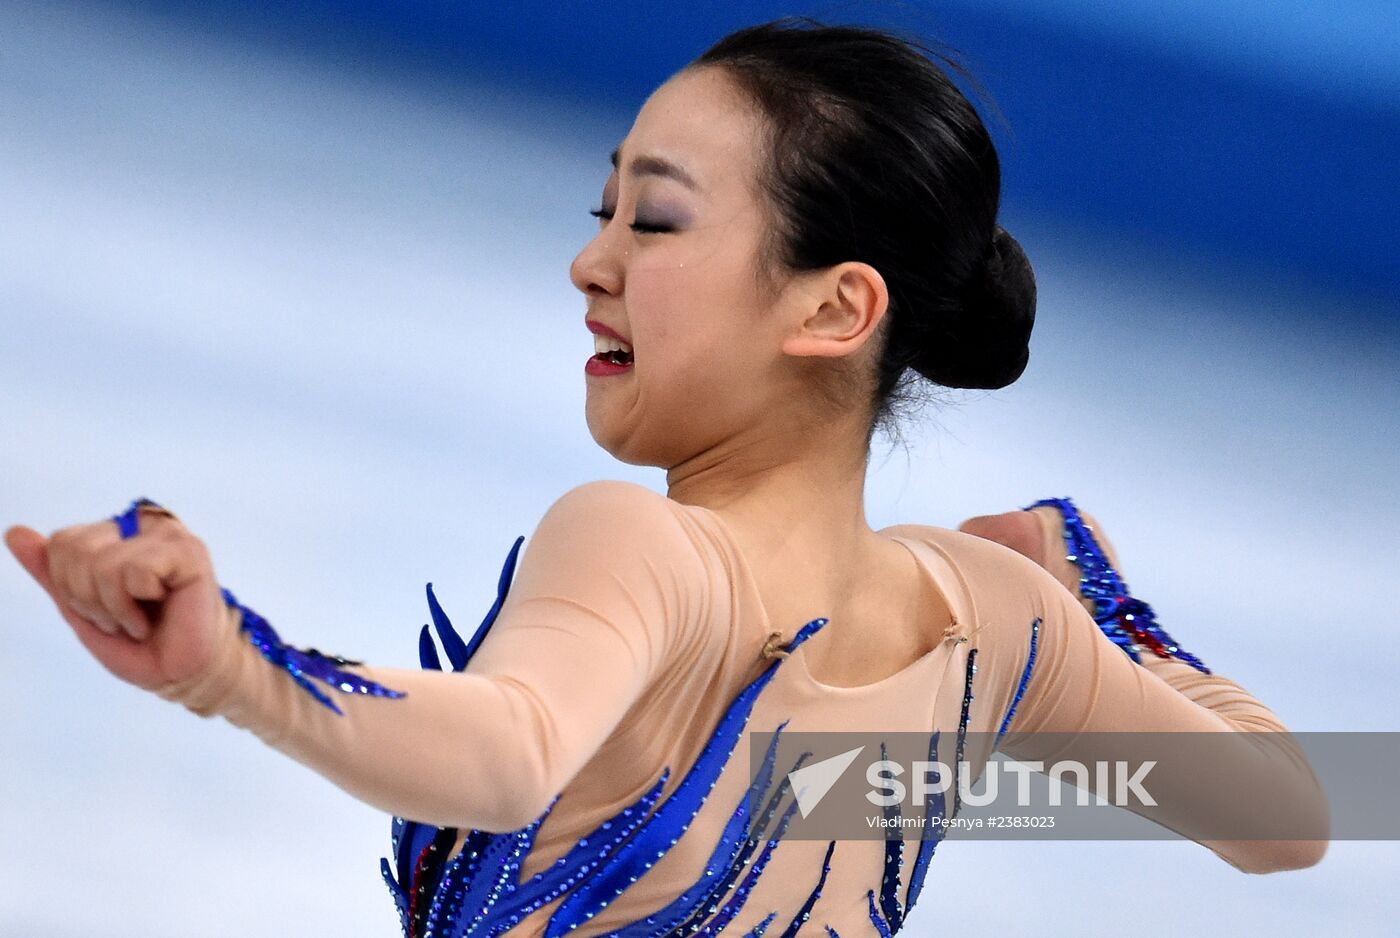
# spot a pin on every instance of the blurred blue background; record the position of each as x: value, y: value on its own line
x: 303, y: 276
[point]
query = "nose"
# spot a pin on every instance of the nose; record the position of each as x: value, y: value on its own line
x: 598, y: 267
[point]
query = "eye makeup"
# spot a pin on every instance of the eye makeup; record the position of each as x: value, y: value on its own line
x: 639, y: 225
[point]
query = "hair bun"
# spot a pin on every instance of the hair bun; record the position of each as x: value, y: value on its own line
x: 989, y: 341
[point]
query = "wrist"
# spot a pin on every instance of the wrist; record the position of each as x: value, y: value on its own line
x: 1079, y: 553
x: 245, y: 635
x: 202, y: 693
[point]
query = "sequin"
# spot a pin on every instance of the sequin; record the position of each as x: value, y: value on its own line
x: 806, y: 911
x: 479, y: 891
x: 1129, y: 622
x: 1025, y: 679
x: 303, y: 664
x: 894, y: 859
x: 129, y: 521
x: 962, y: 730
x: 927, y: 844
x: 888, y: 917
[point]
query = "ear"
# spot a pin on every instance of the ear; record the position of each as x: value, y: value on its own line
x: 836, y: 311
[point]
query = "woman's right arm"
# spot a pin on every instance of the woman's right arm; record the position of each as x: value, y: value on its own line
x: 602, y: 599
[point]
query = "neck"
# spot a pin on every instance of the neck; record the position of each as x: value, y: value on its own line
x: 794, y: 498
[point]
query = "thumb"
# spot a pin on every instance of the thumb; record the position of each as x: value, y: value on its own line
x: 31, y: 549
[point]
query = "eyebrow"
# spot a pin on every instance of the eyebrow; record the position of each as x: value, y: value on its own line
x: 657, y: 166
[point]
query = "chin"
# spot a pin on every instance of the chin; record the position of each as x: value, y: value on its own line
x: 622, y: 446
x: 608, y: 437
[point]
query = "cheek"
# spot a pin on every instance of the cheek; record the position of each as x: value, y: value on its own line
x: 674, y: 316
x: 694, y: 328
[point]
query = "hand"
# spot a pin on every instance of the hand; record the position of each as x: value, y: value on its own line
x: 1019, y: 530
x: 148, y: 608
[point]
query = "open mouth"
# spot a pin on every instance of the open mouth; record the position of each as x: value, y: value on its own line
x: 615, y: 356
x: 612, y: 351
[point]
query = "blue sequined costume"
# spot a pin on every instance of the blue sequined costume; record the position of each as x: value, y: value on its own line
x: 480, y: 892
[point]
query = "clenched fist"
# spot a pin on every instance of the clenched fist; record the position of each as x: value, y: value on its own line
x: 148, y: 607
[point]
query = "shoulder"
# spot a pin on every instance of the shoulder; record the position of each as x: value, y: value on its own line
x: 618, y: 522
x: 620, y: 508
x: 633, y: 500
x: 1000, y: 579
x: 964, y: 549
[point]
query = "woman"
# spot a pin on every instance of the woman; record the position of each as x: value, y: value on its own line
x: 798, y: 226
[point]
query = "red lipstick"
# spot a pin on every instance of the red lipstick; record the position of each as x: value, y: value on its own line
x: 607, y: 363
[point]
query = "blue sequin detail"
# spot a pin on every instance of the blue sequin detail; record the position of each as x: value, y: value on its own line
x: 804, y: 913
x: 758, y: 930
x: 479, y: 891
x: 894, y: 860
x: 129, y: 521
x: 962, y: 730
x: 303, y: 664
x: 888, y: 917
x: 927, y: 844
x: 1025, y: 679
x: 1129, y: 622
x: 882, y: 927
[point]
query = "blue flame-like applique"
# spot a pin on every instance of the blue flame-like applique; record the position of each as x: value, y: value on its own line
x: 479, y: 892
x: 1128, y: 621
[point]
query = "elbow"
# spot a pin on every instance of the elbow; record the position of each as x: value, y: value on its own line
x: 1271, y: 856
x: 522, y: 791
x: 514, y: 803
x: 527, y: 806
x: 1281, y: 855
x: 510, y: 808
x: 1301, y: 854
x: 1301, y: 832
x: 507, y: 777
x: 512, y: 817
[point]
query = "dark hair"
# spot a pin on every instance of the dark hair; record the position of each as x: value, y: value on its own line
x: 872, y: 154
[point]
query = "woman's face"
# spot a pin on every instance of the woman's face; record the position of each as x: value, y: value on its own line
x: 707, y: 339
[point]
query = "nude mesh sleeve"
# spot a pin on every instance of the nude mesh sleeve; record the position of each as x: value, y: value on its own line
x: 1083, y: 684
x: 601, y: 600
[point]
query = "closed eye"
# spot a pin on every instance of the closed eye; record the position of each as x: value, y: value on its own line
x: 640, y: 227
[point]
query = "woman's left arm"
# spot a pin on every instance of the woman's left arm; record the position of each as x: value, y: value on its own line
x: 1087, y: 700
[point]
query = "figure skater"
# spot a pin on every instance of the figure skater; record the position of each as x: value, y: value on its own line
x: 799, y: 233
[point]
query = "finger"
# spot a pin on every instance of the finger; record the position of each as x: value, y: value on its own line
x: 30, y: 548
x: 83, y: 581
x: 142, y: 580
x: 109, y: 576
x: 75, y: 550
x: 158, y: 566
x: 178, y: 560
x: 60, y: 557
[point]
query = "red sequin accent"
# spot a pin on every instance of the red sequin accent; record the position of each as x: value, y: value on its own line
x: 413, y: 893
